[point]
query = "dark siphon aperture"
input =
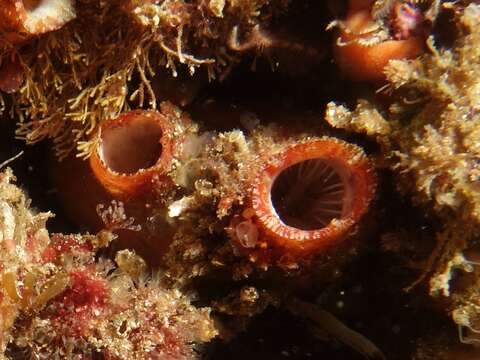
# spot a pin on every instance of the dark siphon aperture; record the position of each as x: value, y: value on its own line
x: 308, y: 195
x: 130, y: 148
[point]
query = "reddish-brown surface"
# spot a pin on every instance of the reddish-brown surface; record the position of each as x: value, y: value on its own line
x: 12, y: 17
x: 11, y: 75
x: 361, y: 62
x: 18, y: 23
x: 80, y: 193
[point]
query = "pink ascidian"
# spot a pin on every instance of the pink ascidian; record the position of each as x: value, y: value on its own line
x: 307, y: 199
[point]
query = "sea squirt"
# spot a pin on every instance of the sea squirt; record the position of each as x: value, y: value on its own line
x: 23, y: 19
x: 127, y: 176
x: 370, y: 37
x: 309, y: 198
x: 132, y: 150
x: 20, y: 21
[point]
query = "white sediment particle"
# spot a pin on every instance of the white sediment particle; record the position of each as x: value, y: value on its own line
x: 440, y: 283
x: 49, y: 15
x: 177, y: 207
x: 7, y: 222
x: 216, y: 6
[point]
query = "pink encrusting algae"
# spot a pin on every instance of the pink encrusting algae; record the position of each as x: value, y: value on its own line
x: 69, y: 304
